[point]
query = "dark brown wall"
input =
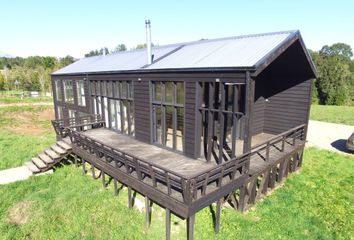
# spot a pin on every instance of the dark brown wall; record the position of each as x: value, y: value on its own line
x: 288, y: 107
x: 258, y: 108
x: 142, y: 111
x: 189, y: 119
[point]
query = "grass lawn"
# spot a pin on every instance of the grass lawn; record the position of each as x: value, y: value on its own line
x: 24, y: 132
x: 334, y: 114
x: 7, y: 97
x: 315, y: 204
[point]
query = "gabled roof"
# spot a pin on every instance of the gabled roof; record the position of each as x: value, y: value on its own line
x: 249, y: 52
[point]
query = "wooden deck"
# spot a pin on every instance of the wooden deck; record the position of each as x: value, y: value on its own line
x: 158, y: 156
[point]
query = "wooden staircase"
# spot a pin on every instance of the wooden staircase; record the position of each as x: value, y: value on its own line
x: 47, y: 159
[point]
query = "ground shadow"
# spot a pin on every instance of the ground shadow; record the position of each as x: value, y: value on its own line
x: 340, y: 145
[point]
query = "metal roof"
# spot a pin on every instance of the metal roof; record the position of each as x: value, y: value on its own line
x: 234, y: 52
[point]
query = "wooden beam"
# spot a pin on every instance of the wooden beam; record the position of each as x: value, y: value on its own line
x: 217, y: 216
x: 130, y: 197
x: 190, y: 227
x: 247, y: 140
x: 115, y: 187
x: 168, y: 224
x: 147, y: 211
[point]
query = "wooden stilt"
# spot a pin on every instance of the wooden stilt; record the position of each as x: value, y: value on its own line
x: 115, y: 187
x: 242, y: 203
x: 147, y: 212
x: 93, y: 171
x: 104, y: 185
x: 168, y: 224
x: 83, y: 167
x: 190, y: 227
x: 217, y: 216
x: 75, y: 160
x: 130, y: 198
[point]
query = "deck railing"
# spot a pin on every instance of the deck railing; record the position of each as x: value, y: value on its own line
x: 186, y: 189
x: 62, y: 126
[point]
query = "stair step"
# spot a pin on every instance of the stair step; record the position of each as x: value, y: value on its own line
x: 45, y: 158
x: 64, y: 145
x: 33, y: 168
x: 38, y: 162
x: 58, y: 149
x: 52, y: 154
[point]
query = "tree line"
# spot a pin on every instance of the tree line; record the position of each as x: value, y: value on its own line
x: 334, y: 84
x: 31, y: 73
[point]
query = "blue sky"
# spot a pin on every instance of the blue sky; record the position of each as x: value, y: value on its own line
x: 59, y: 28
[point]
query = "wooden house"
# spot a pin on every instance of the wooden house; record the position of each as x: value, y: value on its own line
x: 190, y: 124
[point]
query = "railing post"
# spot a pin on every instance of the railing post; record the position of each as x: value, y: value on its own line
x: 267, y: 152
x: 283, y: 144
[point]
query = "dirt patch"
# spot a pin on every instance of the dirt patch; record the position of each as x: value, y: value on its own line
x: 27, y: 123
x: 47, y: 114
x: 18, y: 214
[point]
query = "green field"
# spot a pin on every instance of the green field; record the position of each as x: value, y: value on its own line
x: 9, y: 97
x: 334, y: 114
x: 24, y: 132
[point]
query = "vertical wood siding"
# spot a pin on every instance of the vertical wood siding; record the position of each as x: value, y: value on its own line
x: 189, y: 119
x: 142, y: 111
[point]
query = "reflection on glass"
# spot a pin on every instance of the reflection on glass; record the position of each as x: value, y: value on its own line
x: 60, y: 112
x: 168, y: 92
x: 158, y: 128
x: 113, y: 115
x: 109, y: 89
x: 81, y: 101
x: 71, y: 113
x: 179, y: 132
x: 118, y: 114
x: 180, y: 92
x: 157, y: 91
x: 68, y: 91
x: 132, y: 127
x: 124, y: 89
x: 103, y: 88
x: 169, y: 127
x: 124, y: 116
x: 58, y: 90
x: 98, y: 89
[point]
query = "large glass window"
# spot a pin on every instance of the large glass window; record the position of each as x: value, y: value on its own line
x: 168, y: 114
x: 113, y: 100
x: 81, y: 101
x: 68, y: 91
x: 57, y: 86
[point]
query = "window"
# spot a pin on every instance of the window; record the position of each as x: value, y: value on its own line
x: 168, y: 114
x: 81, y: 101
x: 71, y: 113
x: 113, y: 100
x: 57, y: 86
x: 68, y: 91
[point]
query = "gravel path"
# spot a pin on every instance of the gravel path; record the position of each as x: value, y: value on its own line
x: 330, y: 136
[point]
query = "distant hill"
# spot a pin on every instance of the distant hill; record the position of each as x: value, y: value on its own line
x: 4, y: 54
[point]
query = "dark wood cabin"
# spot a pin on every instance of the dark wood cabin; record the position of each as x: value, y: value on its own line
x: 219, y: 120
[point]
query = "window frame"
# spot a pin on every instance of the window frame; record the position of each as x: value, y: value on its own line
x: 163, y: 104
x: 72, y: 91
x: 113, y: 96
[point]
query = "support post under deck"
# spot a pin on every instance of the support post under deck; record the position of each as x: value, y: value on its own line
x: 190, y: 227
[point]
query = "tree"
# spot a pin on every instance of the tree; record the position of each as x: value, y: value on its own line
x: 341, y: 50
x: 2, y: 82
x: 66, y: 61
x: 97, y: 52
x: 120, y: 48
x: 143, y: 45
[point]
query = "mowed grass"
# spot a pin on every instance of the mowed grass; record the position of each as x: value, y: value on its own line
x: 316, y: 203
x: 24, y: 132
x: 334, y: 114
x: 9, y: 97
